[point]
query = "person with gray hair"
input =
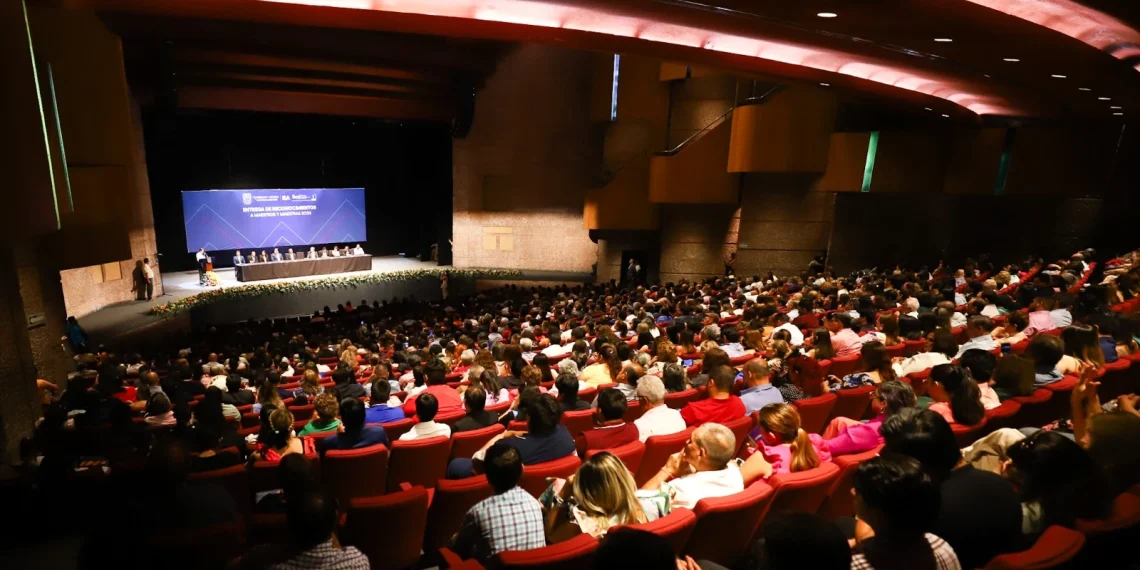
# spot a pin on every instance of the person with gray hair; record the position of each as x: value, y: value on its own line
x: 568, y: 366
x: 658, y: 419
x: 467, y: 357
x: 673, y: 375
x: 703, y: 469
x: 711, y: 332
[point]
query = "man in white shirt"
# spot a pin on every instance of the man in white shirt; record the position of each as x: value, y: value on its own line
x: 201, y: 257
x: 358, y: 250
x: 941, y: 351
x: 782, y: 322
x: 426, y: 407
x: 658, y: 418
x: 978, y: 329
x: 148, y: 273
x: 702, y: 470
x: 911, y: 305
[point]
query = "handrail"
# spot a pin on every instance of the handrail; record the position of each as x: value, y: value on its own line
x: 717, y: 121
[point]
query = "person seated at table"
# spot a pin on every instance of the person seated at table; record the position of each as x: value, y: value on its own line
x: 358, y: 250
x: 312, y: 253
x: 334, y: 252
x: 290, y: 256
x: 263, y: 258
x: 275, y: 256
x: 238, y: 258
x: 324, y: 252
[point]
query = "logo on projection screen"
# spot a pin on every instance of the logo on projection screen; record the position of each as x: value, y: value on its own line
x: 246, y: 198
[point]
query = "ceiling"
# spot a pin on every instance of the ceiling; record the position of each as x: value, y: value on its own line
x: 886, y: 49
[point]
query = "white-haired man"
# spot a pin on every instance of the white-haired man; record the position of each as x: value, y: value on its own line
x: 703, y: 469
x: 658, y: 418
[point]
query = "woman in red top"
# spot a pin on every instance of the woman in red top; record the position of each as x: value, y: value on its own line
x: 278, y: 441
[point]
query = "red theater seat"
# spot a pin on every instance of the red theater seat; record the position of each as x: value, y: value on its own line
x: 534, y: 476
x: 740, y: 428
x: 815, y: 412
x: 1056, y: 546
x: 389, y: 529
x: 804, y: 491
x: 840, y: 502
x: 574, y: 554
x: 579, y: 421
x: 235, y: 480
x: 852, y: 402
x: 630, y: 454
x: 397, y: 428
x: 419, y: 462
x: 465, y: 443
x: 263, y: 474
x: 450, y: 501
x: 678, y: 400
x: 844, y: 365
x: 355, y: 473
x: 725, y: 525
x: 677, y: 527
x: 633, y: 411
x: 967, y: 435
x: 1034, y: 408
x: 451, y: 418
x: 1001, y: 416
x: 914, y: 347
x: 658, y: 448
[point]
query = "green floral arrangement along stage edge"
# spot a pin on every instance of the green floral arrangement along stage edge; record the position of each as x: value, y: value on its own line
x: 316, y: 283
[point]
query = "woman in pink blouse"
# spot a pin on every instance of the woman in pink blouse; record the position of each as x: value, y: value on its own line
x: 845, y: 436
x: 784, y: 446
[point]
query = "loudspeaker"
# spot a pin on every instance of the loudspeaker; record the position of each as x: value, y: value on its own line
x: 464, y: 110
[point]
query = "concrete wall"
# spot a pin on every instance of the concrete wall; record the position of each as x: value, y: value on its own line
x: 531, y: 149
x: 782, y: 223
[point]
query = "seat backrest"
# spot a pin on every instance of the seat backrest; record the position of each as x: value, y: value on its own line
x: 397, y: 428
x: 225, y: 541
x: 534, y: 476
x: 465, y: 443
x: 302, y: 412
x: 896, y: 350
x: 725, y: 525
x: 388, y: 529
x: 803, y: 491
x: 1056, y: 546
x: 234, y: 479
x: 852, y: 402
x: 814, y: 412
x: 263, y: 474
x: 578, y: 421
x: 353, y: 473
x: 676, y: 527
x: 420, y: 462
x: 451, y: 418
x: 450, y: 502
x: 633, y: 411
x: 574, y: 554
x: 840, y: 502
x: 740, y: 428
x: 1125, y: 515
x: 914, y: 347
x: 844, y: 365
x: 630, y: 454
x: 678, y: 400
x: 658, y: 448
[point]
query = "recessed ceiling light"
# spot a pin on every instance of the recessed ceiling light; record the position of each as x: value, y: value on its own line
x: 928, y: 108
x: 1083, y: 89
x: 827, y: 15
x: 825, y: 85
x: 1058, y: 76
x: 945, y: 115
x: 1011, y: 59
x: 986, y: 75
x: 1116, y: 107
x: 1119, y: 114
x: 944, y: 40
x: 1104, y: 98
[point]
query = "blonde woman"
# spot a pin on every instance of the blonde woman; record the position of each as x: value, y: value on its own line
x: 309, y: 389
x: 602, y: 494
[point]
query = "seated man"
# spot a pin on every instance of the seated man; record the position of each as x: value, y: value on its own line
x: 896, y: 504
x: 378, y: 410
x: 238, y: 258
x: 720, y: 406
x: 312, y: 520
x: 289, y: 255
x: 276, y: 255
x: 1045, y: 350
x: 844, y: 340
x: 326, y: 408
x: 511, y: 519
x: 545, y: 439
x: 313, y: 254
x: 235, y: 394
x: 474, y: 399
x: 703, y: 469
x: 658, y: 419
x: 610, y: 429
x: 358, y: 250
x: 334, y: 252
x: 978, y: 328
x: 355, y: 434
x: 426, y: 408
x: 759, y: 392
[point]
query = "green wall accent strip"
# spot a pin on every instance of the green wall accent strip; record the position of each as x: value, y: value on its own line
x: 1006, y: 158
x: 869, y: 169
x: 59, y: 134
x: 43, y: 118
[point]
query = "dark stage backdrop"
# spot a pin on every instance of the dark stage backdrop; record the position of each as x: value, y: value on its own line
x: 405, y: 170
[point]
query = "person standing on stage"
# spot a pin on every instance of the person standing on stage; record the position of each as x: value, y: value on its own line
x: 290, y: 256
x: 275, y: 256
x: 148, y: 274
x: 358, y: 250
x: 138, y: 282
x: 201, y: 265
x: 238, y: 259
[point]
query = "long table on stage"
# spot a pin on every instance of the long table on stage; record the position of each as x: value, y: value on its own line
x: 302, y: 267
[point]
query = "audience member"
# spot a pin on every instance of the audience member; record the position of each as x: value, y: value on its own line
x: 609, y: 430
x: 784, y: 446
x: 426, y: 427
x: 511, y: 519
x: 703, y: 469
x: 356, y: 434
x: 474, y: 398
x: 720, y: 406
x: 657, y: 419
x: 759, y: 391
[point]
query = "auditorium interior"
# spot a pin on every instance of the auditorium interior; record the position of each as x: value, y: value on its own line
x: 683, y: 178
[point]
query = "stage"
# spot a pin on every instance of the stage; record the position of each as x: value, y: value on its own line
x: 267, y: 298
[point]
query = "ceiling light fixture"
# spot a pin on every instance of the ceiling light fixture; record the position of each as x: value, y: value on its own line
x: 928, y: 108
x: 1116, y: 107
x: 1104, y: 98
x: 1011, y: 59
x: 825, y: 85
x: 944, y: 40
x: 1058, y: 76
x: 827, y: 15
x: 1118, y: 114
x: 1083, y: 89
x: 945, y: 115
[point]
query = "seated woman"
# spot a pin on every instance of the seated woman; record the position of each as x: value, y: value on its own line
x: 276, y: 439
x: 1059, y: 482
x: 1013, y: 331
x: 1082, y: 348
x: 965, y: 400
x: 784, y: 447
x: 267, y: 397
x: 877, y: 363
x: 888, y: 333
x: 159, y: 411
x: 847, y: 436
x: 601, y: 495
x: 777, y: 354
x: 309, y: 389
x: 496, y: 394
x: 821, y: 348
x: 325, y: 420
x: 568, y: 400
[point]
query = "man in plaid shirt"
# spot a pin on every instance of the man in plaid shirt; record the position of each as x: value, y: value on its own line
x: 511, y: 519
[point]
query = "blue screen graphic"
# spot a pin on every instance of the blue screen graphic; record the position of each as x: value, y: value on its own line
x: 243, y: 219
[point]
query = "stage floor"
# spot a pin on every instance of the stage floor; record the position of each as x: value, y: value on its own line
x: 120, y: 318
